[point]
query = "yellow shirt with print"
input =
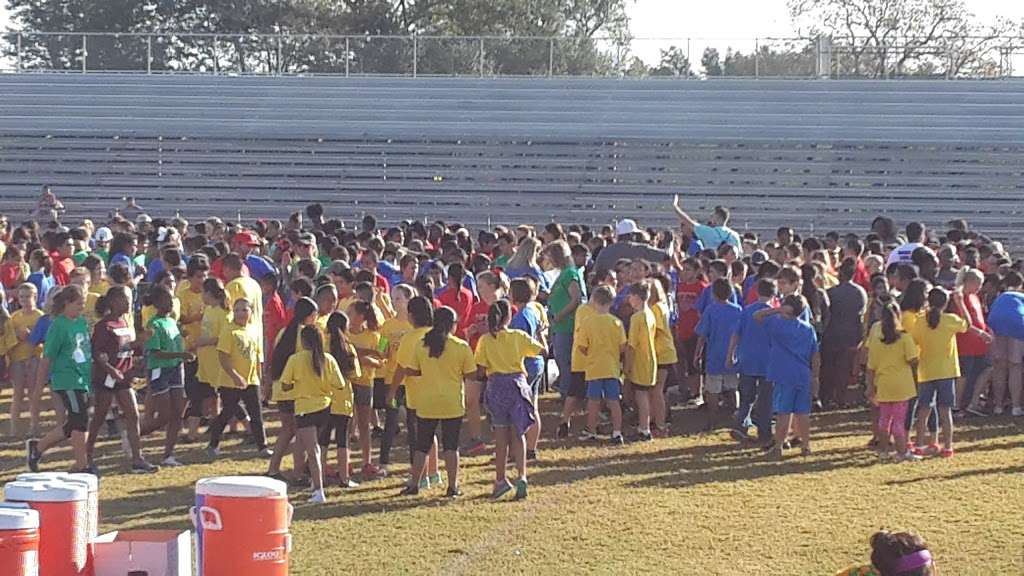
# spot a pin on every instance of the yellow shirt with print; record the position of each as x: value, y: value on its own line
x: 894, y: 377
x: 313, y: 392
x: 244, y: 345
x: 440, y: 385
x: 191, y: 305
x: 602, y: 336
x: 214, y: 320
x: 939, y: 359
x: 245, y: 287
x: 504, y: 352
x: 664, y: 343
x: 392, y: 331
x: 411, y: 341
x: 643, y: 370
x: 20, y: 350
x: 366, y: 340
x: 585, y: 311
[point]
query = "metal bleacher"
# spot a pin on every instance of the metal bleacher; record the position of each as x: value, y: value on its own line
x: 816, y: 154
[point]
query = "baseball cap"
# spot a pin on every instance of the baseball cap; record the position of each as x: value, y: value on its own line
x: 626, y: 227
x: 338, y: 266
x: 758, y: 257
x: 103, y: 235
x: 307, y: 238
x: 143, y: 219
x: 247, y: 238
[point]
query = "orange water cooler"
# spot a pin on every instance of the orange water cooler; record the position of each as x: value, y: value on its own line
x: 63, y: 524
x: 19, y: 541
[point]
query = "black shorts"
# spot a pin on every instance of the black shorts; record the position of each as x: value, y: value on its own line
x: 337, y: 423
x: 312, y: 420
x: 76, y: 406
x: 427, y: 427
x: 363, y: 395
x: 286, y: 406
x: 197, y: 393
x: 380, y: 394
x: 578, y: 385
x: 694, y: 363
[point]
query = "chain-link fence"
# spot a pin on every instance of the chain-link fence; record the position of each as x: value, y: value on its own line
x: 486, y: 56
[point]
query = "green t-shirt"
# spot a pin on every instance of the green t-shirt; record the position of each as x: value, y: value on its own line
x: 559, y: 299
x: 70, y: 353
x: 166, y: 338
x: 104, y: 255
x: 79, y: 257
x: 501, y: 261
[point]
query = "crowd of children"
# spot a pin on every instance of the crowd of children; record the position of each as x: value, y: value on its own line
x: 337, y: 331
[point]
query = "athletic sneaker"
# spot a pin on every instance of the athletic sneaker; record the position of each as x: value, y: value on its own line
x: 908, y: 457
x: 265, y: 452
x: 212, y: 451
x: 976, y: 411
x: 144, y: 468
x: 474, y: 447
x: 588, y: 436
x: 32, y: 454
x: 531, y: 455
x: 617, y: 440
x: 521, y: 489
x: 409, y: 490
x: 501, y: 490
x: 563, y: 431
x: 347, y: 484
x: 740, y: 435
x: 453, y: 492
x: 643, y: 437
x: 1017, y: 411
x: 318, y: 497
x: 435, y: 480
x: 171, y: 462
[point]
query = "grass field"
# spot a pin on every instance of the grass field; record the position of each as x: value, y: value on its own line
x: 690, y: 504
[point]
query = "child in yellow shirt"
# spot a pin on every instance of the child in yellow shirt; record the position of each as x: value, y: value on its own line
x: 24, y: 357
x: 240, y: 349
x: 664, y: 351
x: 364, y: 336
x: 392, y: 332
x: 203, y: 400
x: 601, y: 341
x: 892, y: 356
x: 641, y: 360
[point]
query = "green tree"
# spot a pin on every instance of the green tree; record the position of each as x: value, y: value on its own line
x: 709, y: 61
x: 674, y: 62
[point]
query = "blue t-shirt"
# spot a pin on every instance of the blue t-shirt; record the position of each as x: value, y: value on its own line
x: 717, y: 324
x: 258, y: 266
x: 1006, y: 315
x: 528, y: 321
x: 37, y: 335
x: 706, y: 298
x: 390, y: 272
x: 122, y: 258
x: 43, y: 284
x: 543, y: 283
x: 793, y: 344
x: 752, y: 346
x: 154, y: 269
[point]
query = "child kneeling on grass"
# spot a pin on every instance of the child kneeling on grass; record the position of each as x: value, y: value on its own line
x: 895, y: 554
x: 601, y: 341
x: 794, y: 357
x: 442, y: 364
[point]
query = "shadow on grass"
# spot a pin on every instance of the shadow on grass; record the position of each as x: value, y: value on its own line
x: 959, y: 475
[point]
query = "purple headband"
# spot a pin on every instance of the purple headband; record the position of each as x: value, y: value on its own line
x: 913, y: 561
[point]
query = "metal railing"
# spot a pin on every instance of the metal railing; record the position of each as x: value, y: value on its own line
x: 484, y: 56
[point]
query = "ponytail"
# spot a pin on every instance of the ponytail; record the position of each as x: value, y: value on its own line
x: 304, y: 308
x: 314, y: 343
x: 369, y: 314
x: 214, y: 287
x: 337, y: 325
x: 890, y: 332
x: 938, y: 299
x: 66, y: 295
x: 421, y: 312
x: 437, y: 337
x: 498, y: 316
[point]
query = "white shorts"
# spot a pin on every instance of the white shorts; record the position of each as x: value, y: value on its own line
x: 718, y: 383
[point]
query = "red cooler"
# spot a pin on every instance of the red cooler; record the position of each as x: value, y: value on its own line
x: 63, y: 524
x: 89, y: 480
x: 242, y: 526
x: 19, y: 542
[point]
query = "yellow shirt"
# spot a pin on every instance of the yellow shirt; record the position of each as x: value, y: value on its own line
x: 440, y: 386
x: 602, y: 335
x: 392, y: 332
x: 148, y: 312
x: 664, y: 343
x: 21, y: 350
x: 313, y: 392
x: 939, y: 359
x: 644, y: 368
x: 191, y: 305
x: 504, y: 352
x: 894, y: 378
x: 91, y: 316
x: 411, y: 341
x: 382, y: 301
x: 244, y: 344
x: 370, y: 340
x: 908, y: 319
x: 245, y: 287
x: 215, y: 319
x: 582, y: 313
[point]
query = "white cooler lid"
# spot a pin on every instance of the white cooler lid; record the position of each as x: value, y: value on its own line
x: 15, y: 519
x: 90, y: 480
x: 54, y: 491
x: 242, y: 487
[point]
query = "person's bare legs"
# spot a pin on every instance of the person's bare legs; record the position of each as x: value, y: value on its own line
x: 659, y: 410
x: 517, y: 443
x: 101, y: 404
x: 501, y: 446
x: 1000, y: 381
x: 924, y: 437
x: 343, y: 459
x: 783, y: 421
x: 593, y: 407
x: 176, y: 407
x: 473, y: 428
x: 365, y: 441
x: 1015, y: 380
x: 308, y: 440
x: 711, y: 402
x: 130, y: 414
x: 946, y: 427
x: 803, y: 430
x: 284, y: 439
x: 982, y: 385
x: 432, y: 460
x: 451, y: 465
x: 615, y: 408
x: 533, y: 433
x: 642, y: 396
x: 569, y: 409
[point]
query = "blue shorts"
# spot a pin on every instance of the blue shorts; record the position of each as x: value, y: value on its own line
x: 941, y: 392
x: 791, y: 399
x: 604, y: 388
x: 167, y: 379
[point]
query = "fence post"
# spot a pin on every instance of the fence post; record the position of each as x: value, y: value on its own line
x: 757, y: 59
x: 415, y: 54
x: 149, y: 54
x: 688, y: 61
x: 19, y: 51
x: 551, y: 57
x: 85, y: 53
x: 216, y: 66
x: 481, y: 56
x: 348, y: 55
x: 280, y: 67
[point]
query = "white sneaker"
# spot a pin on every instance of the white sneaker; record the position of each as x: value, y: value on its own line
x: 171, y: 462
x: 909, y: 457
x: 1017, y: 411
x: 997, y: 411
x: 318, y: 497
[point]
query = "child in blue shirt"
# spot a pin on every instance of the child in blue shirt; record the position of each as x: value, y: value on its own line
x: 793, y: 361
x: 750, y: 346
x: 715, y: 329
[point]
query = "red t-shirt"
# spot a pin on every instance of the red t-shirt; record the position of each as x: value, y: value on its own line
x: 113, y: 338
x: 686, y: 299
x: 62, y: 268
x: 275, y: 318
x: 969, y: 343
x: 460, y: 301
x: 9, y: 274
x: 861, y: 277
x: 478, y: 317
